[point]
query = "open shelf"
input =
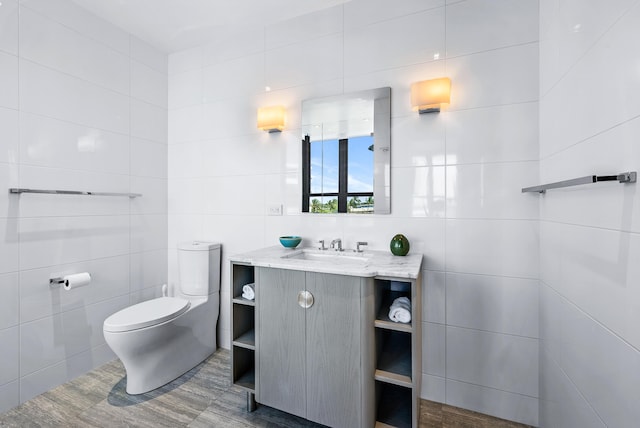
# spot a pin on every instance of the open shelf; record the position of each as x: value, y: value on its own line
x: 246, y: 340
x: 247, y: 380
x: 386, y: 293
x: 393, y: 363
x: 243, y: 301
x: 243, y: 355
x: 393, y: 406
x: 243, y: 322
x: 244, y: 368
x: 241, y: 275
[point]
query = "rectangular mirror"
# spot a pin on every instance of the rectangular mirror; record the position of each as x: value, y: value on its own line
x: 346, y: 153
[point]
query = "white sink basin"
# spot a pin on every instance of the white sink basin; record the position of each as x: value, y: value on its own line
x: 328, y: 256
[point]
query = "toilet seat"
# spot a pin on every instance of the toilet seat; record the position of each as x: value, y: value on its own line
x: 146, y: 314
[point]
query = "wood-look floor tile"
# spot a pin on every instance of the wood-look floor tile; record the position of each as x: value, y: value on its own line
x: 202, y: 397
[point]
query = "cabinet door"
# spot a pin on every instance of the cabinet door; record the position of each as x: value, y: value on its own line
x: 333, y: 350
x: 281, y: 340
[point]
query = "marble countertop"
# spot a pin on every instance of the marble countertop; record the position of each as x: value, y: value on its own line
x: 366, y: 264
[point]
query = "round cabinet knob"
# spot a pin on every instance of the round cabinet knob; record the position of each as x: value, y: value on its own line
x: 305, y: 299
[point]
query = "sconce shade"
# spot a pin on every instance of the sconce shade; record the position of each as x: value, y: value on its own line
x: 428, y: 95
x: 271, y: 119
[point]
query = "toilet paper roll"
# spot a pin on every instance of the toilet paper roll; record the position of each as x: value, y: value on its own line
x: 76, y: 280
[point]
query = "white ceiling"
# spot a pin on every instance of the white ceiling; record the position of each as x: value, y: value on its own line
x: 173, y: 25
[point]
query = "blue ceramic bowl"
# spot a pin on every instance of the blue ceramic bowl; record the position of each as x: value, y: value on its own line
x: 290, y: 241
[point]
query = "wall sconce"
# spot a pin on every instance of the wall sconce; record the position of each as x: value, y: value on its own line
x: 271, y: 119
x: 428, y: 95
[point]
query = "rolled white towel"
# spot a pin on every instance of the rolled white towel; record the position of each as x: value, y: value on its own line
x: 247, y: 291
x: 400, y: 310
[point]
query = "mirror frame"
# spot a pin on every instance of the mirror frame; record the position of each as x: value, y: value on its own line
x: 381, y: 98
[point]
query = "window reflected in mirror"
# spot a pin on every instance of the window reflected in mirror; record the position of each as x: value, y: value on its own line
x: 346, y: 153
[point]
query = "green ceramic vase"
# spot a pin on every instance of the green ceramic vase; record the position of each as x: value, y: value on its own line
x: 399, y: 245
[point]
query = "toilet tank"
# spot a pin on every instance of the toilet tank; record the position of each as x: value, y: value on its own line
x: 198, y: 268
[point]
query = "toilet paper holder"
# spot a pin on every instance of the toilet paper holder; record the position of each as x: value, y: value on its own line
x: 70, y: 281
x: 56, y: 281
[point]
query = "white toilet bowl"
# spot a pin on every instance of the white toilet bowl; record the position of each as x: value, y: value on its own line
x: 161, y: 339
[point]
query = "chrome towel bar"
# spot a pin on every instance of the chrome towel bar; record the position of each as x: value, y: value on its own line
x: 623, y: 177
x: 72, y: 192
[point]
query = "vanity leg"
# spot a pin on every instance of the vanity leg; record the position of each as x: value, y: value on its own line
x: 251, y: 402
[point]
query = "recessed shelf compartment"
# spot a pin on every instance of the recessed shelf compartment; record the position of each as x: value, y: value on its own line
x: 243, y: 320
x: 242, y: 275
x: 244, y: 371
x: 393, y: 362
x: 393, y: 406
x: 387, y: 292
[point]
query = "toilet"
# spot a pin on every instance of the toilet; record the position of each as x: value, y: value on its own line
x: 161, y: 339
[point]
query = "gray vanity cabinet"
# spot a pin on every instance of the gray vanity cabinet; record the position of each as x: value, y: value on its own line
x: 310, y: 358
x: 281, y: 335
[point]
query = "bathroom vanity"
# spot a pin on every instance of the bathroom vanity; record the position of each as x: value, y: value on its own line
x: 317, y: 341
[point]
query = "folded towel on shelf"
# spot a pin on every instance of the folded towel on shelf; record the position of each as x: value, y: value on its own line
x: 400, y: 310
x: 247, y: 291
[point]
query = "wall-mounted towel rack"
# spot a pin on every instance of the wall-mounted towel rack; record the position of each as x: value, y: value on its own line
x: 72, y: 192
x: 623, y: 177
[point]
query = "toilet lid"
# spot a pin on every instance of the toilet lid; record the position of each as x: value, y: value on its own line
x: 146, y: 314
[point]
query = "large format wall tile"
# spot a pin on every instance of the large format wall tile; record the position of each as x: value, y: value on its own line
x: 480, y: 25
x: 490, y: 303
x: 75, y: 17
x: 53, y: 339
x: 321, y: 23
x: 503, y: 404
x: 493, y: 247
x: 499, y: 361
x: 148, y: 84
x: 51, y: 93
x: 506, y: 133
x: 9, y: 341
x: 61, y: 144
x: 9, y: 81
x: 9, y: 395
x: 50, y: 241
x: 10, y: 303
x: 51, y: 44
x: 10, y: 128
x: 394, y: 43
x: 502, y: 76
x: 109, y: 279
x: 9, y: 27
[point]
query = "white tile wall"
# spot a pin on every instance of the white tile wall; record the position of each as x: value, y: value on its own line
x: 479, y: 25
x: 497, y: 304
x: 56, y: 46
x: 9, y: 81
x: 9, y: 123
x: 394, y: 43
x: 456, y: 176
x: 496, y: 402
x: 9, y: 395
x: 590, y: 347
x: 9, y: 27
x: 67, y: 81
x: 42, y: 89
x: 10, y: 302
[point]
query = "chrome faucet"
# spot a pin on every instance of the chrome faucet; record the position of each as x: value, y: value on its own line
x: 334, y: 242
x: 321, y: 247
x: 360, y: 244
